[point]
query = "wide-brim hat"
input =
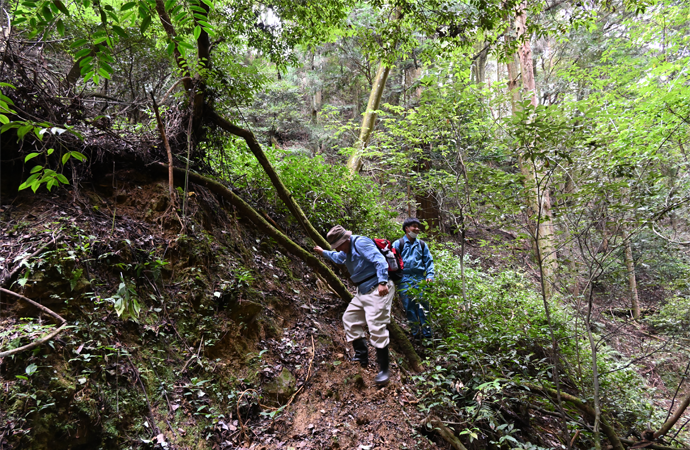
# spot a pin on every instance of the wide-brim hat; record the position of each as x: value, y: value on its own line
x: 337, y: 236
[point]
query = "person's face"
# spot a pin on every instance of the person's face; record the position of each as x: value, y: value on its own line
x: 344, y: 247
x: 414, y: 228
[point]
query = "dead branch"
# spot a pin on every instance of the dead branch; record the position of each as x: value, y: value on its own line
x: 14, y: 271
x: 62, y: 322
x: 161, y: 130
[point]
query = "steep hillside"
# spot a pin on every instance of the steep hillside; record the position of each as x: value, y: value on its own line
x: 235, y: 342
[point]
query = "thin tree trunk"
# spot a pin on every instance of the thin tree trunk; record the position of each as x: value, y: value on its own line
x: 166, y: 144
x: 595, y: 372
x: 632, y: 281
x: 354, y: 163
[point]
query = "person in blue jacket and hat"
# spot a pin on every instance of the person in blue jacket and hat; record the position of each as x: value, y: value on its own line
x: 418, y: 267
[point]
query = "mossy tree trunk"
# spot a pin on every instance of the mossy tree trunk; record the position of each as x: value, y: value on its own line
x: 354, y: 163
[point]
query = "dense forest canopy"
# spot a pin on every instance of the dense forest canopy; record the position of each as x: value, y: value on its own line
x: 542, y: 143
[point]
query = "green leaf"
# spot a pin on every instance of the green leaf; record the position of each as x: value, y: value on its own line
x: 31, y: 156
x: 78, y: 43
x: 23, y: 130
x: 127, y: 6
x: 120, y: 31
x: 104, y: 73
x: 60, y: 27
x: 36, y: 169
x: 77, y: 155
x: 66, y: 157
x: 186, y: 45
x: 50, y: 151
x: 197, y: 32
x: 106, y: 66
x: 62, y: 179
x: 81, y: 53
x: 47, y: 13
x: 145, y: 24
x: 61, y: 6
x: 6, y: 100
x: 4, y: 119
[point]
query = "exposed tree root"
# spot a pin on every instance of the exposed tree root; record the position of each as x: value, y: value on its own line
x: 61, y: 321
x: 397, y: 335
x: 446, y: 433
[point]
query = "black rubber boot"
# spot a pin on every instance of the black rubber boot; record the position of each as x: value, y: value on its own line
x: 382, y: 358
x: 361, y: 352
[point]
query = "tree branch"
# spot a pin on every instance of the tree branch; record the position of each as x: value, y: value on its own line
x: 62, y: 322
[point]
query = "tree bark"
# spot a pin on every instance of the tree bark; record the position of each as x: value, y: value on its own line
x: 354, y: 163
x: 446, y: 433
x: 632, y: 281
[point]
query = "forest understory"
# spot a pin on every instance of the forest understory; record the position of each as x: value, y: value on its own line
x: 169, y: 168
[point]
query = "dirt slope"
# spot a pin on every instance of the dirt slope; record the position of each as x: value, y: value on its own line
x: 231, y: 330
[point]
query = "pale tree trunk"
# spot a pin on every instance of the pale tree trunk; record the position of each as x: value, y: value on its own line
x: 479, y: 66
x: 632, y: 281
x: 539, y: 199
x: 354, y: 163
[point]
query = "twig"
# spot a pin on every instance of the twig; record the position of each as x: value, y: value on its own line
x: 19, y: 266
x: 193, y: 356
x: 61, y: 321
x: 239, y: 416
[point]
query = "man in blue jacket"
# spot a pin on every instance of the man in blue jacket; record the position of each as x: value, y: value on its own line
x: 371, y: 305
x: 418, y: 266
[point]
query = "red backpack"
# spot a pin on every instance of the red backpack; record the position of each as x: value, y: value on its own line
x: 393, y: 258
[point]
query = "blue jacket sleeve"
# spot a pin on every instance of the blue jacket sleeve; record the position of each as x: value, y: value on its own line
x: 429, y: 262
x: 370, y: 251
x: 336, y: 257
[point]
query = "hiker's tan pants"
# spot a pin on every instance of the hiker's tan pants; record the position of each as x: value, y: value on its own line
x: 372, y: 310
